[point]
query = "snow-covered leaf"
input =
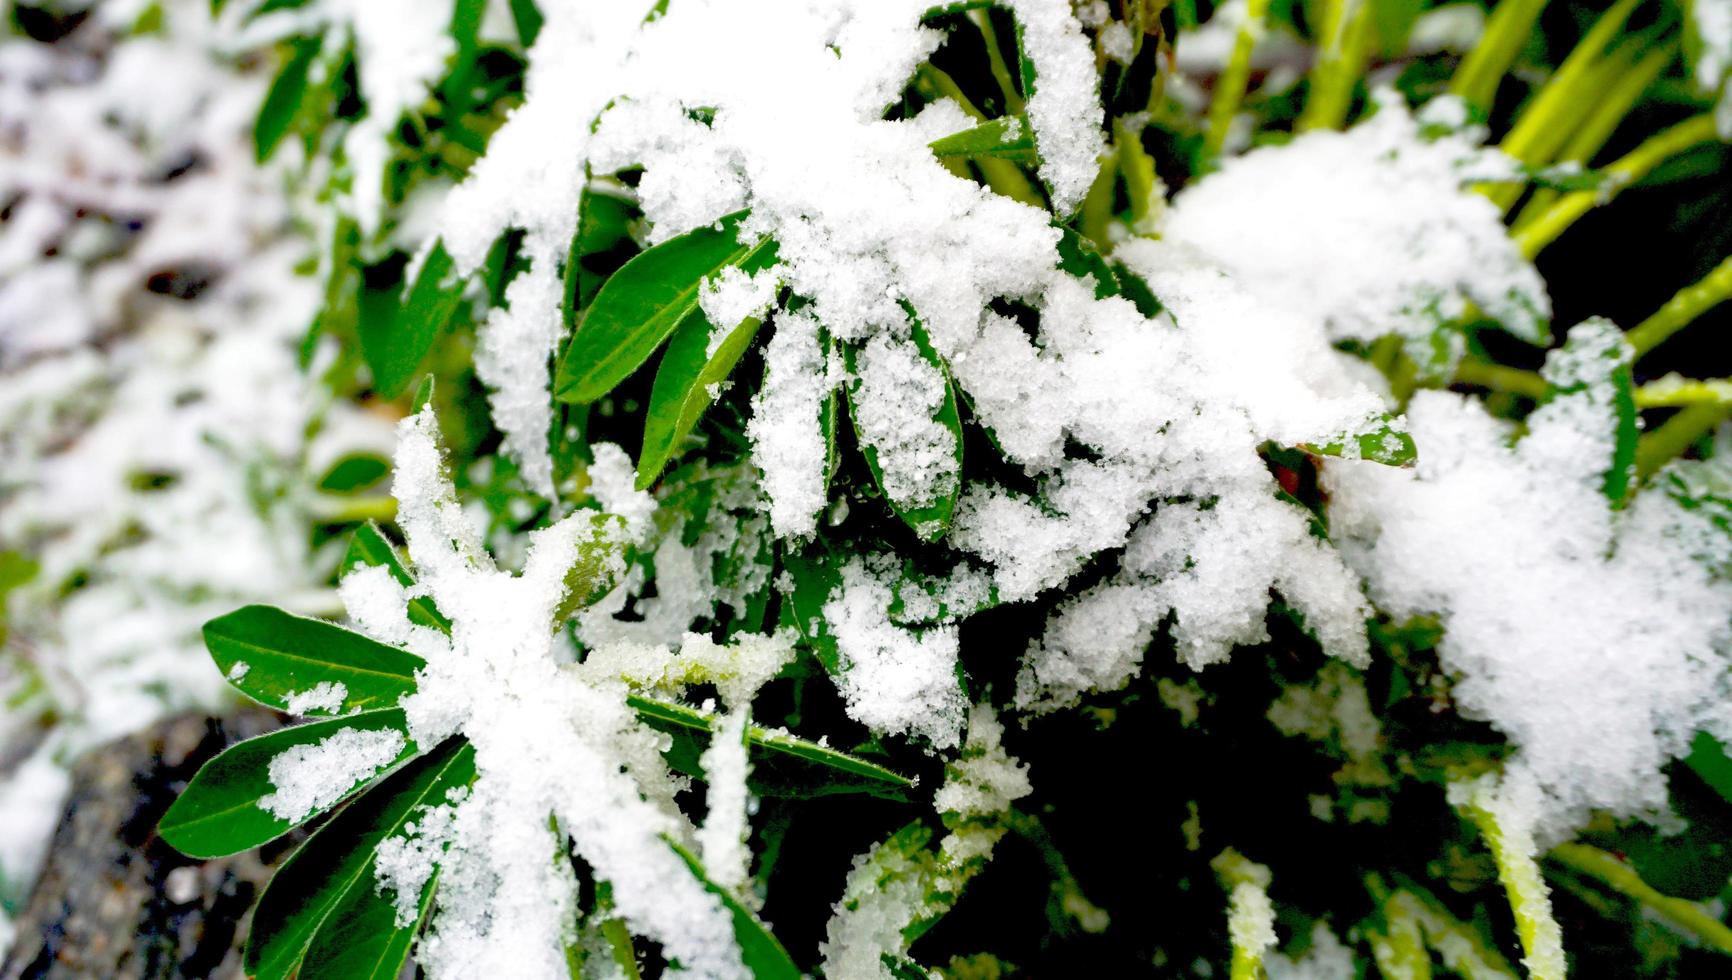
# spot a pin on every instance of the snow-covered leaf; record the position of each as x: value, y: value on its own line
x: 280, y: 660
x: 782, y: 764
x: 220, y: 811
x: 321, y: 912
x: 927, y: 509
x: 687, y: 381
x: 369, y: 546
x: 1387, y: 443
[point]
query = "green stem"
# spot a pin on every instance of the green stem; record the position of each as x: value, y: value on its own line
x: 1347, y: 27
x: 1013, y: 103
x: 1609, y: 108
x: 1685, y: 916
x: 1497, y: 377
x: 1673, y: 439
x: 1250, y: 918
x: 1633, y: 166
x: 1508, y: 28
x: 1683, y: 308
x: 1230, y: 87
x: 1566, y: 97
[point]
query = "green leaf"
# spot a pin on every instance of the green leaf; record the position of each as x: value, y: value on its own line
x: 318, y: 897
x: 1387, y: 443
x: 218, y: 813
x: 1007, y: 137
x: 688, y: 374
x: 642, y: 304
x: 596, y: 568
x: 1708, y: 759
x: 283, y: 101
x: 814, y: 580
x: 527, y: 17
x: 764, y: 956
x: 354, y: 473
x: 369, y: 546
x: 769, y: 748
x: 1077, y: 256
x: 395, y: 344
x: 931, y: 521
x: 287, y: 654
x: 1594, y: 367
x: 603, y: 232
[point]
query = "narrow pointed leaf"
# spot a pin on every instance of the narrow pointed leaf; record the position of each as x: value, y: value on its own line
x: 641, y: 305
x: 369, y: 546
x: 686, y: 384
x: 764, y: 956
x: 218, y: 813
x: 283, y: 101
x: 1007, y: 137
x: 931, y: 521
x: 287, y: 655
x: 767, y: 746
x: 394, y: 345
x: 316, y: 888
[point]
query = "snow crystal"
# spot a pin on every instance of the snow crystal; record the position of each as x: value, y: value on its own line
x: 613, y: 484
x: 1065, y: 108
x: 734, y: 296
x: 1712, y: 20
x: 238, y: 670
x: 788, y: 442
x: 1327, y: 959
x: 324, y: 697
x: 512, y: 359
x: 895, y: 398
x: 548, y: 737
x: 1406, y: 248
x: 404, y: 863
x: 309, y: 778
x: 1597, y: 640
x: 893, y: 679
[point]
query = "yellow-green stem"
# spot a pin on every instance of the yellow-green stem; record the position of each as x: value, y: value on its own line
x: 1497, y: 377
x: 1683, y: 915
x: 1633, y: 166
x: 1675, y: 393
x: 1609, y: 109
x: 1507, y: 29
x: 1683, y: 308
x: 1347, y: 29
x: 982, y: 22
x: 1671, y: 440
x: 1512, y: 847
x: 1565, y: 99
x: 1230, y: 87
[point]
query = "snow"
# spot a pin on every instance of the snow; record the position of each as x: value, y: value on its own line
x: 893, y: 679
x: 785, y: 429
x: 1403, y: 250
x: 153, y: 447
x: 1712, y: 21
x: 901, y: 881
x: 549, y: 738
x: 612, y: 482
x: 325, y: 697
x: 1597, y: 640
x: 309, y: 778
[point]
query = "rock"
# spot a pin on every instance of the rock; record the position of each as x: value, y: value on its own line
x: 114, y: 899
